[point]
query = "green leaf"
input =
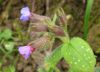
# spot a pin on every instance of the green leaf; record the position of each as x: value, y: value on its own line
x: 0, y: 36
x: 6, y: 34
x: 79, y: 55
x: 41, y: 70
x: 52, y: 60
x: 9, y: 46
x: 54, y: 18
x: 9, y: 69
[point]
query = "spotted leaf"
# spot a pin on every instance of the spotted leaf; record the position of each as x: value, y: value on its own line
x: 79, y: 56
x: 53, y: 58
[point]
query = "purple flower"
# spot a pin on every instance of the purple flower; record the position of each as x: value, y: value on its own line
x: 25, y: 14
x: 25, y: 51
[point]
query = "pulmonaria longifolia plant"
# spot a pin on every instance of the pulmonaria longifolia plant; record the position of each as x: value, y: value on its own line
x: 76, y: 52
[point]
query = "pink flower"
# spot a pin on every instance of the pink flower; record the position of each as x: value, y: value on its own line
x: 26, y: 51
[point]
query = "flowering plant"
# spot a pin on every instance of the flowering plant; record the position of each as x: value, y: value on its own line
x: 76, y: 52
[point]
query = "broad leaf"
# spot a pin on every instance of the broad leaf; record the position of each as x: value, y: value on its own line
x: 54, y: 58
x: 6, y: 34
x: 79, y: 56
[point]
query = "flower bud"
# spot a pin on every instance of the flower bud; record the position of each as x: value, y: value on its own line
x: 58, y: 30
x: 38, y: 27
x: 41, y: 43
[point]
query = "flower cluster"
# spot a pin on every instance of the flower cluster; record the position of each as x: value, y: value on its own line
x: 25, y: 51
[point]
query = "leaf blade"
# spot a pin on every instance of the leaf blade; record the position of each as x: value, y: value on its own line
x: 80, y: 59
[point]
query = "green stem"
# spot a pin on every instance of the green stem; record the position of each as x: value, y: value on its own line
x: 63, y: 25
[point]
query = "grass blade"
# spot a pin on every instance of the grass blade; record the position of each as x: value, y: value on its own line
x: 86, y: 18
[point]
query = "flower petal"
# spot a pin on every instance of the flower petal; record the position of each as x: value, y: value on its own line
x: 25, y: 11
x: 24, y: 18
x: 26, y: 56
x: 24, y: 49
